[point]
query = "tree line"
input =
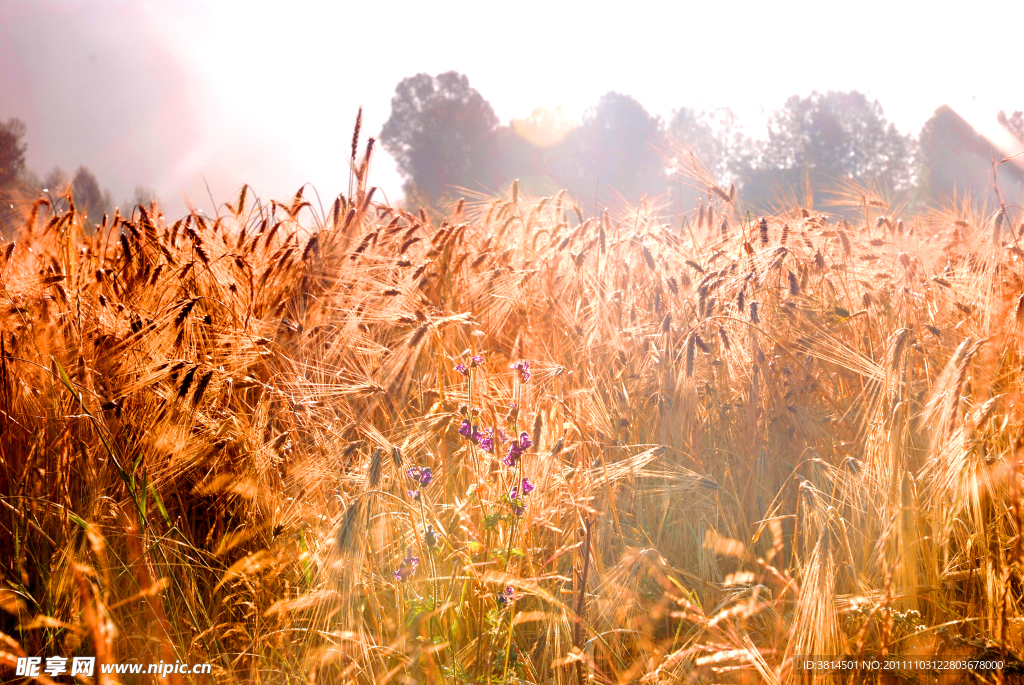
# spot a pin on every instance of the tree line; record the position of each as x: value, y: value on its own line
x: 18, y: 183
x: 446, y: 139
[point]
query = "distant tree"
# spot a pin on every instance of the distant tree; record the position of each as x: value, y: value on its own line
x: 619, y: 147
x: 143, y: 196
x: 441, y: 132
x: 1013, y: 123
x: 12, y: 152
x: 55, y: 181
x: 715, y: 137
x: 828, y: 136
x: 717, y: 141
x: 87, y: 195
x: 956, y: 159
x: 12, y: 172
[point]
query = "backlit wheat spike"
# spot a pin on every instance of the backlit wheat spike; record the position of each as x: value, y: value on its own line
x: 374, y: 470
x: 648, y: 257
x: 690, y: 345
x: 186, y: 382
x: 241, y: 200
x: 355, y: 138
x: 847, y: 247
x: 349, y: 536
x: 183, y: 313
x: 364, y: 167
x: 204, y: 382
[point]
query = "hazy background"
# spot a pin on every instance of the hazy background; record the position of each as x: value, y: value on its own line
x: 177, y: 95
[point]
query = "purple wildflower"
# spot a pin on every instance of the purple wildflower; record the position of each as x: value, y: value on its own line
x: 516, y: 501
x: 523, y: 368
x: 516, y: 449
x: 472, y: 432
x: 422, y: 476
x: 506, y: 596
x: 414, y: 495
x: 527, y: 488
x: 476, y: 360
x: 487, y: 442
x: 461, y: 368
x: 406, y: 569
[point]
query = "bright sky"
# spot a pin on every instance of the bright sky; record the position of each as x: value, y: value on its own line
x: 166, y: 94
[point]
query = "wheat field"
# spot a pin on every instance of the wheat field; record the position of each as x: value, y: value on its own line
x: 512, y: 444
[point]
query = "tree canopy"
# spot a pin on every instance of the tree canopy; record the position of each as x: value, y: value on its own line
x: 12, y: 152
x: 827, y: 136
x: 441, y: 132
x: 88, y: 197
x: 618, y: 147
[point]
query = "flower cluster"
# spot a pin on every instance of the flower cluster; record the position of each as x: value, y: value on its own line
x: 470, y: 431
x: 506, y: 597
x: 423, y: 477
x: 484, y: 438
x: 474, y: 361
x: 487, y: 443
x: 523, y: 368
x: 406, y: 569
x: 516, y: 449
x: 518, y: 503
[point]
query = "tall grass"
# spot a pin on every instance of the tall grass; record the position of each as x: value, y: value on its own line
x: 751, y: 439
